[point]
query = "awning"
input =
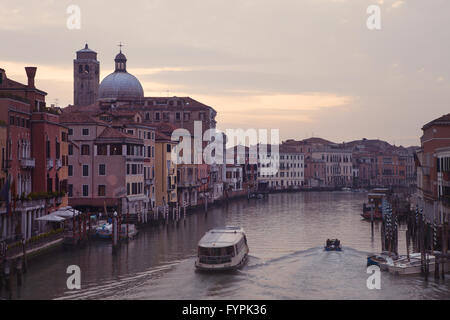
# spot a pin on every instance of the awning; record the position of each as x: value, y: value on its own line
x: 66, y: 212
x: 51, y: 217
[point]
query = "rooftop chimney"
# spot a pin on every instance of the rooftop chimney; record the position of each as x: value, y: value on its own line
x: 31, y: 72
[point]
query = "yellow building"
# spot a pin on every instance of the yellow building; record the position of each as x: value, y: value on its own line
x: 165, y: 172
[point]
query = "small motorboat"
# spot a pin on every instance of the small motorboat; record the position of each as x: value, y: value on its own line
x: 413, y: 264
x: 104, y: 230
x: 382, y: 260
x: 333, y: 245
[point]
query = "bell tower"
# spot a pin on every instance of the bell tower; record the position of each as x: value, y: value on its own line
x: 86, y: 75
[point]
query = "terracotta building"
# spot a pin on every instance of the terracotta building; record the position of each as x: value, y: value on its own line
x: 33, y: 131
x: 106, y: 166
x: 432, y: 170
x: 122, y: 92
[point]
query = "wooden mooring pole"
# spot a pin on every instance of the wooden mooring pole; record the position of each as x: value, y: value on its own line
x: 18, y: 268
x: 114, y: 234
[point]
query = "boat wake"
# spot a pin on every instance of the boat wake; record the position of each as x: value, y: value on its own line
x: 121, y: 284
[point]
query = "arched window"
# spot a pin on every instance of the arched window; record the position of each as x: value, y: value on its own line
x: 80, y: 68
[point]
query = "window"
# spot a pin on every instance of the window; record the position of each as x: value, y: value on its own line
x: 70, y: 190
x: 70, y: 131
x: 178, y: 116
x: 102, y: 150
x: 70, y: 169
x: 157, y: 116
x: 169, y: 148
x: 101, y: 190
x: 128, y: 189
x: 85, y: 190
x: 85, y: 132
x: 186, y: 116
x: 115, y: 150
x: 85, y: 150
x: 85, y: 170
x: 48, y: 148
x: 101, y: 169
x: 70, y: 149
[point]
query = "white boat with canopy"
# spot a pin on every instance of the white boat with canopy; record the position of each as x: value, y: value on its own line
x: 222, y: 249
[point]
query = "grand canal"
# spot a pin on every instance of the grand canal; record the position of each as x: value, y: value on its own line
x: 286, y: 233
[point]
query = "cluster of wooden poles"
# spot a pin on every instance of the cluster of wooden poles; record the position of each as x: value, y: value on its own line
x: 428, y: 239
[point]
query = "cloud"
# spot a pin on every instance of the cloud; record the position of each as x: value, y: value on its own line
x: 398, y: 4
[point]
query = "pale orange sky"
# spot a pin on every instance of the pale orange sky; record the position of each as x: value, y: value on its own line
x: 306, y: 67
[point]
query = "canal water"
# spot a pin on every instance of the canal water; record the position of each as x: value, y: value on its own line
x: 286, y: 234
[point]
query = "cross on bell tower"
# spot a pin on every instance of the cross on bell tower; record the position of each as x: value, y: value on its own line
x: 121, y: 60
x: 120, y: 45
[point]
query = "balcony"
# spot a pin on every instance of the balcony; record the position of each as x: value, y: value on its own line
x: 188, y: 183
x: 58, y: 163
x: 49, y: 164
x: 148, y: 182
x: 27, y: 163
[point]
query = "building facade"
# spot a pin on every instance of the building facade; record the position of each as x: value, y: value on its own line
x: 33, y: 131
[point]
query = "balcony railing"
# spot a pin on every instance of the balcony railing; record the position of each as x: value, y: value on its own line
x: 58, y: 163
x: 49, y: 163
x: 27, y: 163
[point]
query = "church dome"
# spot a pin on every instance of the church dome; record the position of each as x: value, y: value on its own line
x: 120, y: 84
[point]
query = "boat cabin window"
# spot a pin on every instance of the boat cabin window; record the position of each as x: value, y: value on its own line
x: 216, y: 252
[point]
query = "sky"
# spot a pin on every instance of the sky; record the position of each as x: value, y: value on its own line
x: 305, y: 67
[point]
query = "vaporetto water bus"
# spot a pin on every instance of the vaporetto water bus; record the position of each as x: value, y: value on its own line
x: 222, y: 249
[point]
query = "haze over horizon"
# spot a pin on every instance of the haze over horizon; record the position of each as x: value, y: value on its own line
x: 309, y: 68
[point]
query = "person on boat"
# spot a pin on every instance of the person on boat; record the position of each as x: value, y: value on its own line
x: 328, y: 242
x: 337, y: 243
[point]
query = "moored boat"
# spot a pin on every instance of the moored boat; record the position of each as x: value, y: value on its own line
x: 413, y: 265
x: 222, y: 249
x: 382, y: 260
x: 373, y: 208
x: 104, y: 230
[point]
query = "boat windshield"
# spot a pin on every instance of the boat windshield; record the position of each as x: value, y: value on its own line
x: 216, y: 252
